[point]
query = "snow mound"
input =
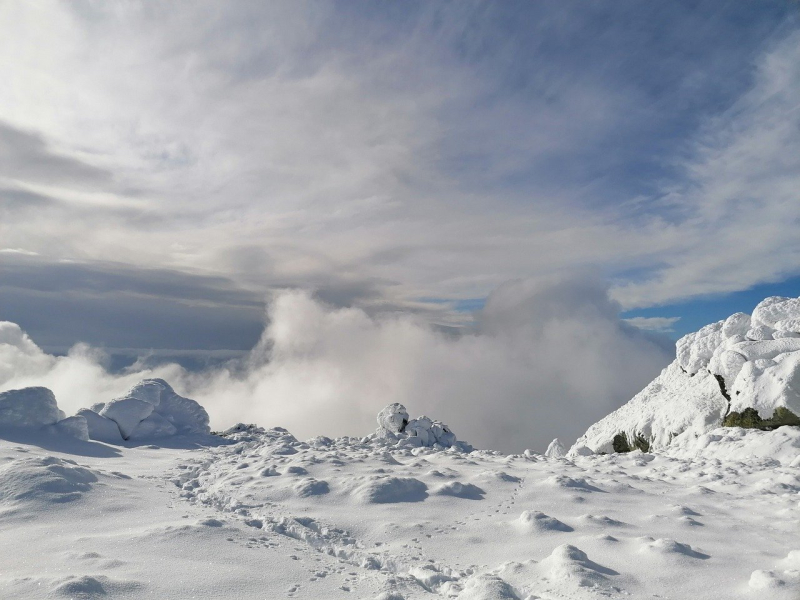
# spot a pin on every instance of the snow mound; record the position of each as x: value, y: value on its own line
x: 386, y: 490
x: 46, y: 479
x: 35, y: 408
x: 533, y: 521
x: 487, y: 587
x: 743, y: 363
x: 555, y: 450
x: 394, y: 424
x: 150, y: 409
x: 460, y: 490
x: 571, y: 565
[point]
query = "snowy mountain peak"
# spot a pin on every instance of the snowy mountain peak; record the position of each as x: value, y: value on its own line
x: 741, y: 371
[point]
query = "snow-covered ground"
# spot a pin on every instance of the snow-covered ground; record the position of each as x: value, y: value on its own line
x: 262, y: 515
x: 135, y: 498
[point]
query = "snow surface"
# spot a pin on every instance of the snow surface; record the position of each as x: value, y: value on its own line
x: 264, y: 515
x: 409, y: 512
x: 744, y: 361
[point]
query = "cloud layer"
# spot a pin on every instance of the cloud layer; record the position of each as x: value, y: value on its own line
x: 548, y: 358
x: 401, y: 155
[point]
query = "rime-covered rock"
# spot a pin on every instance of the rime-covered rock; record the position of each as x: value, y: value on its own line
x: 555, y: 450
x: 31, y: 407
x: 744, y: 362
x: 150, y: 409
x: 393, y: 418
x: 394, y: 425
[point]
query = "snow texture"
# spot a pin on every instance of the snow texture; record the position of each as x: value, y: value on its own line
x: 395, y: 424
x: 36, y: 409
x: 745, y: 361
x: 31, y: 407
x: 150, y: 409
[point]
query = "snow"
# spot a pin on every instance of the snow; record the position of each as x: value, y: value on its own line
x: 150, y: 409
x: 262, y: 514
x: 706, y: 512
x: 28, y: 407
x: 394, y: 424
x: 555, y: 449
x: 742, y: 362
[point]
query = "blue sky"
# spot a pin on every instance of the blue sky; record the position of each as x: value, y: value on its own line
x: 165, y: 168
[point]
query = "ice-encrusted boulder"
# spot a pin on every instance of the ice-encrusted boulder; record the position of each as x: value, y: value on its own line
x: 150, y: 409
x: 743, y: 363
x: 35, y: 408
x: 393, y: 418
x: 100, y: 428
x: 29, y: 407
x: 394, y: 424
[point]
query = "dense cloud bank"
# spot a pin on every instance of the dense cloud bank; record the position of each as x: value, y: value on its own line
x: 546, y: 359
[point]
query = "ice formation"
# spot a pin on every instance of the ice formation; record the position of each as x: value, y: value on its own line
x: 35, y: 408
x: 150, y: 409
x: 743, y: 363
x: 394, y: 425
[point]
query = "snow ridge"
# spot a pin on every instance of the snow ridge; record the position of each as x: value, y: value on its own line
x: 740, y: 363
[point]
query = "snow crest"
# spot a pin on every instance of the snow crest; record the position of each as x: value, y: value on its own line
x: 740, y: 363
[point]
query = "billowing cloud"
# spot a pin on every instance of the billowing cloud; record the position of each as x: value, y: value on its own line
x: 423, y: 151
x: 548, y: 358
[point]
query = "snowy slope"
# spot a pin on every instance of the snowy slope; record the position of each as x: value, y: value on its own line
x: 410, y: 512
x: 744, y: 362
x: 266, y: 516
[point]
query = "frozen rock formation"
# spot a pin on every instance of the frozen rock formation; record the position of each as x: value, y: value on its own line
x: 742, y: 371
x: 393, y: 418
x: 29, y: 407
x: 35, y: 408
x: 150, y: 409
x: 394, y: 425
x: 555, y: 450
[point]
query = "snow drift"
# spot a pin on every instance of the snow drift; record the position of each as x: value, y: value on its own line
x: 742, y: 371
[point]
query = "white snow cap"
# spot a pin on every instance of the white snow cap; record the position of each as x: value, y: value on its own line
x: 150, y: 409
x: 394, y: 424
x: 744, y: 361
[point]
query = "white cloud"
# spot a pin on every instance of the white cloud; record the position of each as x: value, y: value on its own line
x: 258, y: 142
x: 549, y: 358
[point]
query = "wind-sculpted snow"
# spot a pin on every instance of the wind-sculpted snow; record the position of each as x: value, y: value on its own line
x: 150, y: 409
x: 35, y: 409
x: 29, y: 407
x: 398, y: 521
x: 743, y: 362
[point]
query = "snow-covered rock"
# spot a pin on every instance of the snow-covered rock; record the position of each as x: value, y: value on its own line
x: 150, y: 409
x: 127, y: 413
x: 36, y: 409
x: 74, y: 426
x: 31, y: 407
x: 394, y: 424
x: 100, y: 428
x: 393, y: 418
x: 555, y: 450
x: 743, y: 362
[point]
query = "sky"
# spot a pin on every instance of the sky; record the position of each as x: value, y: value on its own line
x: 169, y: 170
